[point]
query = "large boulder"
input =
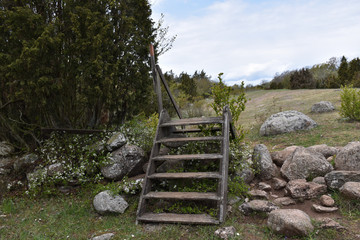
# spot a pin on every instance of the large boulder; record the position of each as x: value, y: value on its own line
x: 351, y: 190
x: 349, y: 157
x: 6, y: 162
x: 290, y: 222
x: 336, y: 179
x: 5, y: 149
x: 323, y: 106
x: 284, y: 122
x: 279, y: 157
x: 300, y: 189
x: 325, y: 150
x: 305, y: 163
x: 105, y: 202
x: 263, y: 162
x: 126, y: 161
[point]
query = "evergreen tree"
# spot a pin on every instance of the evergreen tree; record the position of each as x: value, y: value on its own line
x: 64, y: 63
x: 187, y: 85
x: 343, y: 72
x: 302, y: 78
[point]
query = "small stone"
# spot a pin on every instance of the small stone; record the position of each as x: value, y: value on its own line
x: 5, y: 149
x: 257, y: 206
x: 106, y: 236
x: 319, y: 180
x: 299, y: 188
x: 105, y: 202
x: 225, y: 232
x: 284, y: 201
x: 258, y: 194
x: 327, y: 223
x: 322, y: 209
x: 264, y: 186
x: 116, y: 141
x: 327, y: 201
x: 233, y: 200
x: 278, y: 183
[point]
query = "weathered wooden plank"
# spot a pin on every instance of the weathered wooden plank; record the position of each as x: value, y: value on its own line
x: 224, y: 165
x: 195, y: 130
x: 193, y: 121
x: 178, y: 218
x: 188, y: 157
x: 185, y: 175
x: 189, y: 139
x: 182, y: 195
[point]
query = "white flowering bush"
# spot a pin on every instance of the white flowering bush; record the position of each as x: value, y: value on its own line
x: 75, y: 158
x: 131, y: 186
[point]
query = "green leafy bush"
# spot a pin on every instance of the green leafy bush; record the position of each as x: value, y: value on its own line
x: 350, y: 103
x: 222, y: 97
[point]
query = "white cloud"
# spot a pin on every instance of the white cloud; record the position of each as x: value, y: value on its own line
x: 254, y: 41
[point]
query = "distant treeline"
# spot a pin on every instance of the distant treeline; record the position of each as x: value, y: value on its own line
x: 332, y: 74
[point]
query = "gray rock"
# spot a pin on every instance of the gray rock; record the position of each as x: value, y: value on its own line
x: 116, y: 141
x: 351, y: 190
x: 257, y: 206
x: 290, y: 222
x: 233, y: 200
x: 225, y: 232
x: 5, y: 149
x: 328, y: 223
x: 335, y: 179
x: 6, y: 162
x: 305, y: 163
x: 349, y: 157
x: 279, y: 157
x: 299, y: 188
x: 322, y: 209
x: 264, y: 186
x: 324, y: 150
x: 246, y: 174
x: 25, y: 162
x: 327, y: 201
x: 55, y: 169
x: 323, y: 106
x: 284, y: 122
x: 106, y: 236
x: 278, y: 183
x: 258, y: 194
x: 263, y: 163
x: 126, y: 161
x: 319, y: 180
x: 284, y: 201
x: 104, y: 202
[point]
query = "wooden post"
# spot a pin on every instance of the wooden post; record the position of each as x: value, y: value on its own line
x: 156, y: 81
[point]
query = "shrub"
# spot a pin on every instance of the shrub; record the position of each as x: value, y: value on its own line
x: 350, y: 103
x: 222, y: 97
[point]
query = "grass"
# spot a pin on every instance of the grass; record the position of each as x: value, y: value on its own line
x: 73, y: 217
x: 332, y: 129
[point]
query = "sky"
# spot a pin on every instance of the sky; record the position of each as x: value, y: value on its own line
x: 252, y: 40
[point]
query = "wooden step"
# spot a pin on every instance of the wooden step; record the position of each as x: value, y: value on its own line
x: 189, y: 139
x: 189, y: 157
x: 185, y: 175
x: 192, y: 121
x: 178, y: 218
x: 195, y: 130
x: 182, y: 195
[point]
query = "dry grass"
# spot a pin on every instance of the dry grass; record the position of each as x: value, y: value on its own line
x: 332, y: 128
